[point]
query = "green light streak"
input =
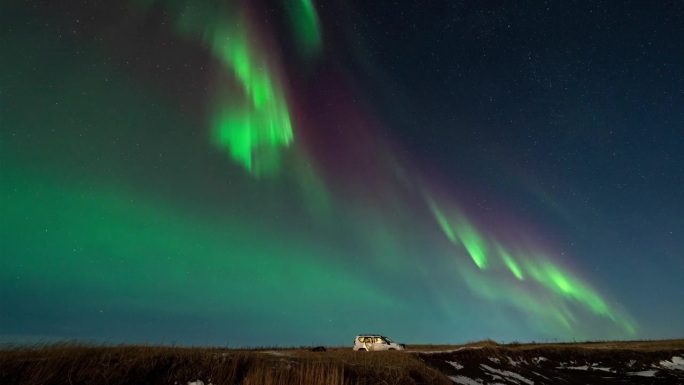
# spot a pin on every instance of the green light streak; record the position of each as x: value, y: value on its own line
x: 543, y: 312
x: 253, y: 125
x: 473, y: 242
x: 461, y: 230
x: 566, y: 285
x: 510, y: 262
x: 255, y: 133
x: 304, y: 21
x: 443, y: 223
x: 562, y: 286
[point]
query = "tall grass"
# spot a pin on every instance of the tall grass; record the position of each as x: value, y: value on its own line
x: 118, y: 365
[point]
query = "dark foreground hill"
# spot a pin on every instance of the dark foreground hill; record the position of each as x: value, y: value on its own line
x: 643, y: 362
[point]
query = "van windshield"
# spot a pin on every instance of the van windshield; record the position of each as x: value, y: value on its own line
x: 389, y: 341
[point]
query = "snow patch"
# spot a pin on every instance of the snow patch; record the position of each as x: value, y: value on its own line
x: 455, y: 364
x: 645, y: 373
x: 542, y: 376
x: 463, y: 380
x: 199, y: 382
x: 506, y: 373
x: 583, y: 367
x: 537, y: 360
x: 275, y: 353
x: 677, y: 363
x: 495, y: 360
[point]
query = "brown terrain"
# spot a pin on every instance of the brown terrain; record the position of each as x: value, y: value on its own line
x: 485, y: 362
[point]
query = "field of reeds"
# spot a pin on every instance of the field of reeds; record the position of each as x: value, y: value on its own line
x: 119, y: 365
x: 419, y: 364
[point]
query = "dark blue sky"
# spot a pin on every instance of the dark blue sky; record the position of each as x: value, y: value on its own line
x: 469, y: 170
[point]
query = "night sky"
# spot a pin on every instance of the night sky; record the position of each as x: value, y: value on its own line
x: 296, y: 172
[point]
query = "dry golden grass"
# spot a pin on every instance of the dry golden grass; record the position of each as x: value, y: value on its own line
x: 647, y: 345
x: 115, y: 365
x: 641, y: 346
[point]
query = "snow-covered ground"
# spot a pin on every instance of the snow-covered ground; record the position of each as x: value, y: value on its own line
x: 644, y: 373
x: 677, y: 363
x: 519, y: 368
x: 506, y: 373
x: 464, y: 380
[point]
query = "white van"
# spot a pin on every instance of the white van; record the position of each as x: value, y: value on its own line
x: 375, y: 342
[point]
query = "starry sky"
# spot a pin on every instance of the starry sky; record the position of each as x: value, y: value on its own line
x: 296, y: 172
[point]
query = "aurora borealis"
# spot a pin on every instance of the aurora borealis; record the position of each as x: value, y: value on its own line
x: 297, y: 172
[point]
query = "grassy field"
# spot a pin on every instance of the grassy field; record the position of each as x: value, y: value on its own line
x: 419, y: 364
x: 114, y: 365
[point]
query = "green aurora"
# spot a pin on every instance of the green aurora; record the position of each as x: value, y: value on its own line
x: 99, y: 204
x: 560, y: 286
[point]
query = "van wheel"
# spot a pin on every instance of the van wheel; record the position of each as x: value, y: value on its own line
x: 391, y: 349
x: 363, y: 350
